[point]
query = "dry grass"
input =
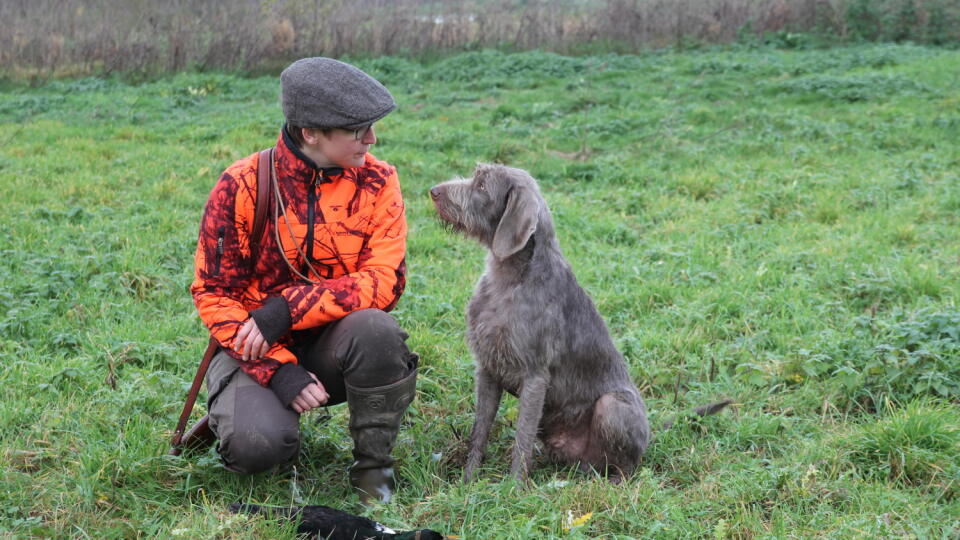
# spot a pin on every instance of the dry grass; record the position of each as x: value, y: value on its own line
x: 42, y: 38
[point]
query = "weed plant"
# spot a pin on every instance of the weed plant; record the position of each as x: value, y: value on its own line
x: 776, y: 226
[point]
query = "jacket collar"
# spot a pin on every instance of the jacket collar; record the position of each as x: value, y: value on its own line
x: 294, y: 164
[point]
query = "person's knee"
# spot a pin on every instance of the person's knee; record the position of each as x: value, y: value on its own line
x: 256, y: 432
x: 374, y: 348
x: 371, y: 325
x: 251, y: 451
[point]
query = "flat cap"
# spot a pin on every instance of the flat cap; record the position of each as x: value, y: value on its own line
x: 326, y: 93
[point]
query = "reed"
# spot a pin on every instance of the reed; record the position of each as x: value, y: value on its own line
x: 68, y: 38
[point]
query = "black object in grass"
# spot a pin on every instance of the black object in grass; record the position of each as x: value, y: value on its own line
x: 325, y: 522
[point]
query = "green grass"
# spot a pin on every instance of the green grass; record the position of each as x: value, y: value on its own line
x: 775, y: 226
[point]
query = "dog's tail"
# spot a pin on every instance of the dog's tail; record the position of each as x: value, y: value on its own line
x: 703, y: 410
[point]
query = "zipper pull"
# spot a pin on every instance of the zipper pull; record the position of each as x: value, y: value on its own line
x: 216, y: 264
x: 220, y: 241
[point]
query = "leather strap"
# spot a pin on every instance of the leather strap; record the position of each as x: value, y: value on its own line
x: 212, y: 348
x: 264, y: 165
x: 264, y: 178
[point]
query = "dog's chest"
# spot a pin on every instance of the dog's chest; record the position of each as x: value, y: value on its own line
x: 496, y: 334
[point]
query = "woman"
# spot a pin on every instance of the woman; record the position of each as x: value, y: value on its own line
x: 306, y: 323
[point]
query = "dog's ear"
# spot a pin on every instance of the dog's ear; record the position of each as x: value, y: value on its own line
x: 518, y: 222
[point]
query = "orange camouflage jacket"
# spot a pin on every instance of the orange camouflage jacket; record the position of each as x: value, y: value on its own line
x: 351, y: 225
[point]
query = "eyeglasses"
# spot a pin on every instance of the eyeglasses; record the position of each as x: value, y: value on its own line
x: 361, y: 132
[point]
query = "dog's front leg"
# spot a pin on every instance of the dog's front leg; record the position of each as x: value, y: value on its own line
x: 528, y: 422
x: 489, y: 392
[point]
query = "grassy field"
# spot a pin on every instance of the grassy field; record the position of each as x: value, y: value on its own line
x: 779, y: 227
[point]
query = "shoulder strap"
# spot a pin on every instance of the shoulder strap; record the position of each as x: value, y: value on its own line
x: 256, y: 234
x: 264, y: 165
x: 178, y: 440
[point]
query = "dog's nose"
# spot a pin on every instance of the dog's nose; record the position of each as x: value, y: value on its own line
x: 435, y: 192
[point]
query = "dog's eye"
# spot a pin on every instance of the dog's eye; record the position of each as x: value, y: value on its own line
x: 481, y: 186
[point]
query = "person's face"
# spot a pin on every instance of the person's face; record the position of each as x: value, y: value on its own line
x: 339, y: 147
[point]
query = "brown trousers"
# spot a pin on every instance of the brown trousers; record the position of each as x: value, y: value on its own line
x: 365, y: 349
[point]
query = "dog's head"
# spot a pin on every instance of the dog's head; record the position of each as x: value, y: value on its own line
x: 500, y: 206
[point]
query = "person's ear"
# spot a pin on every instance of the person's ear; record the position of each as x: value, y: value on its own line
x: 311, y: 136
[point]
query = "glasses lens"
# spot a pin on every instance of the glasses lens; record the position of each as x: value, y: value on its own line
x: 360, y: 133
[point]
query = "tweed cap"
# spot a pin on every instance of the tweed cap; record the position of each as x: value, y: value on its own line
x: 326, y: 93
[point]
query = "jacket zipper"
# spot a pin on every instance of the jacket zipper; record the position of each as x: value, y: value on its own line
x: 311, y: 217
x: 220, y: 233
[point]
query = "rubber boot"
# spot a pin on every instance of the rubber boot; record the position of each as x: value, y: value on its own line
x: 375, y: 415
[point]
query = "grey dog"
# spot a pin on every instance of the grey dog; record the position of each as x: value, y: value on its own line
x: 535, y: 333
